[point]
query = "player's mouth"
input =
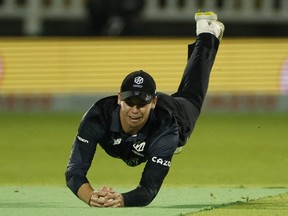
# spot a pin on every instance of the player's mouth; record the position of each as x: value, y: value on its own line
x: 134, y: 119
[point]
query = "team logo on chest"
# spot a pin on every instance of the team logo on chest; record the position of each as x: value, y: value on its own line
x: 139, y: 146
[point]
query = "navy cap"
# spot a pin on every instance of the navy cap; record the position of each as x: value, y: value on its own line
x: 138, y: 84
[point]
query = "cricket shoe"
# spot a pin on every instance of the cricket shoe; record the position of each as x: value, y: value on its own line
x: 206, y: 22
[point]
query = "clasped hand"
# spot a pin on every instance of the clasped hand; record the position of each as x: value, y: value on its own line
x: 106, y: 197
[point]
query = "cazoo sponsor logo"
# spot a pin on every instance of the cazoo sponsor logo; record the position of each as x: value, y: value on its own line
x: 161, y: 161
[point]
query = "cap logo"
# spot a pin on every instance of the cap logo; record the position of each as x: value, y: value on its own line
x: 138, y: 81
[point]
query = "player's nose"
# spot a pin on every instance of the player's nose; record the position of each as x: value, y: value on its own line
x: 135, y: 109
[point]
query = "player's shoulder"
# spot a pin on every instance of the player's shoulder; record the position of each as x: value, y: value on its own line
x: 163, y: 102
x: 107, y: 101
x: 101, y: 108
x: 94, y: 122
x: 163, y: 99
x: 162, y: 117
x: 162, y: 95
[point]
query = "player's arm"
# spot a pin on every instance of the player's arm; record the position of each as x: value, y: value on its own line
x: 154, y: 172
x: 79, y: 163
x: 153, y: 176
x: 85, y: 192
x: 81, y: 157
x: 151, y: 181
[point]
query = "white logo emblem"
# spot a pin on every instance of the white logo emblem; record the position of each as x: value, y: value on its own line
x: 138, y: 80
x: 117, y: 141
x: 161, y: 161
x: 139, y: 146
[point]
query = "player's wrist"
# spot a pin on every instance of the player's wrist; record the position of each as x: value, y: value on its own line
x: 89, y: 200
x: 122, y: 203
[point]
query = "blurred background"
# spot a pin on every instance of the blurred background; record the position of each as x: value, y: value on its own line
x: 61, y: 54
x: 138, y: 17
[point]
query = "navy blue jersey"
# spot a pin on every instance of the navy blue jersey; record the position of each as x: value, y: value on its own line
x: 154, y: 144
x: 169, y: 125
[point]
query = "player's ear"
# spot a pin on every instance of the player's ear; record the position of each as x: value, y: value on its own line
x: 119, y: 98
x: 154, y: 102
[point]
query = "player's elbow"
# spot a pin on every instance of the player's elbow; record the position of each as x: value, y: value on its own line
x: 142, y: 197
x: 74, y: 179
x: 148, y: 197
x: 71, y: 181
x: 68, y: 177
x: 141, y: 201
x: 148, y: 201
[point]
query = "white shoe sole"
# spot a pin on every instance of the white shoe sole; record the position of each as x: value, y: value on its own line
x: 207, y: 23
x: 205, y: 15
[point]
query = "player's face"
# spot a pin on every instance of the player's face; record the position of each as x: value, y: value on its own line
x: 134, y: 113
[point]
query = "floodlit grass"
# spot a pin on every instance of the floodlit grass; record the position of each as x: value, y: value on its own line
x: 272, y: 206
x: 234, y: 150
x: 239, y: 150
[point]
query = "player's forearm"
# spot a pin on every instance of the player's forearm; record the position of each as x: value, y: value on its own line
x: 141, y: 196
x: 84, y: 193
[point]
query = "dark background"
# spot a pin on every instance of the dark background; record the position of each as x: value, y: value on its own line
x: 101, y: 14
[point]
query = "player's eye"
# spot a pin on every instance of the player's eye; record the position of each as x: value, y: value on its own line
x: 137, y: 103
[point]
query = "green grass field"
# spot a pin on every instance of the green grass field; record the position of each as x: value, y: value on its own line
x: 229, y: 158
